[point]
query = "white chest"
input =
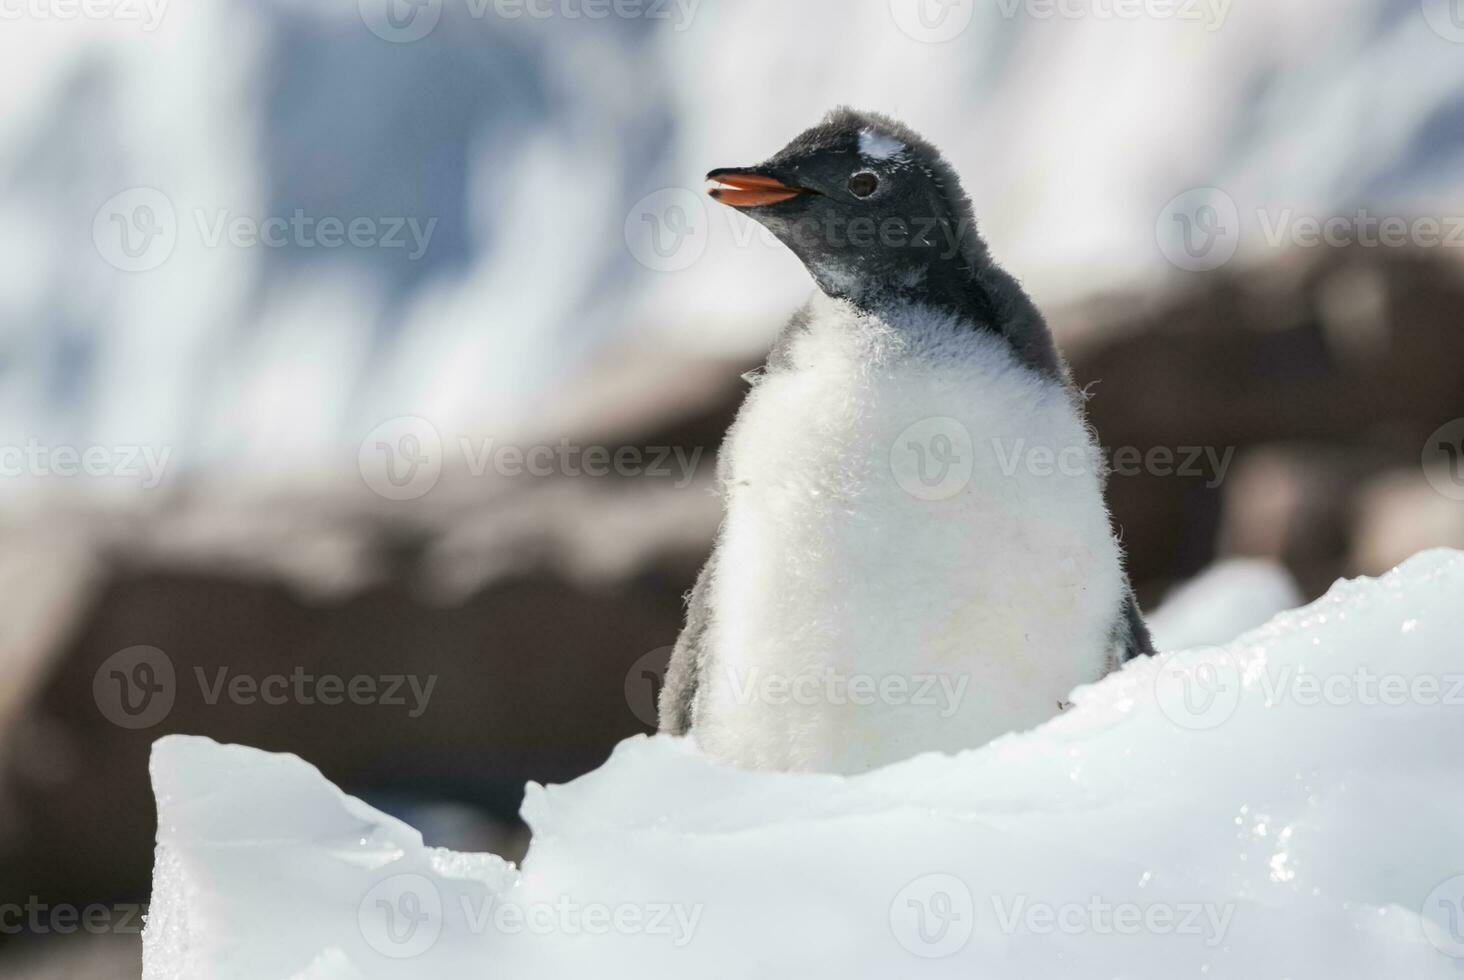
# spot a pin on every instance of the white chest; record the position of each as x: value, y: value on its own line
x: 916, y: 554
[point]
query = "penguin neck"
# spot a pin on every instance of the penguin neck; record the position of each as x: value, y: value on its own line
x: 966, y: 284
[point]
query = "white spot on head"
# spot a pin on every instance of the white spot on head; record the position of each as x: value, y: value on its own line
x: 878, y: 146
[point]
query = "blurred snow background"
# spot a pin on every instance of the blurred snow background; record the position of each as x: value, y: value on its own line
x: 531, y: 142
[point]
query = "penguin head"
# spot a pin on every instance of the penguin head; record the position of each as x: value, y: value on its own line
x: 869, y: 207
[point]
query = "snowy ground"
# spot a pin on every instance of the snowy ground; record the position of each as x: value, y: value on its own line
x: 1285, y: 806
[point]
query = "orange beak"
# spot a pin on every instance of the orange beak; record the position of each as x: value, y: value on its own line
x: 743, y: 189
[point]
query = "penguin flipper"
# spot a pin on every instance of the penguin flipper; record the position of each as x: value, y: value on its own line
x: 678, y: 694
x: 1130, y: 635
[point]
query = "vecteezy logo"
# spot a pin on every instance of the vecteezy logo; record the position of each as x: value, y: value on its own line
x: 1198, y: 689
x: 136, y: 230
x: 135, y: 688
x: 643, y: 683
x: 401, y: 917
x: 401, y: 459
x: 1446, y: 17
x: 931, y: 21
x: 667, y: 229
x: 933, y: 459
x: 1199, y: 230
x: 400, y: 21
x: 1443, y: 917
x: 1443, y: 459
x: 933, y: 916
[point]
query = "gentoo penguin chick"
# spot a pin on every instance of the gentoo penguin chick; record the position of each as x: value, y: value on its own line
x: 915, y: 553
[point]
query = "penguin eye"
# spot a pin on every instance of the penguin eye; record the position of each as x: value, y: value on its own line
x: 863, y: 184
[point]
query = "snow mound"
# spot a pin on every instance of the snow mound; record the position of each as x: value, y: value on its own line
x: 1222, y: 602
x: 1285, y: 806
